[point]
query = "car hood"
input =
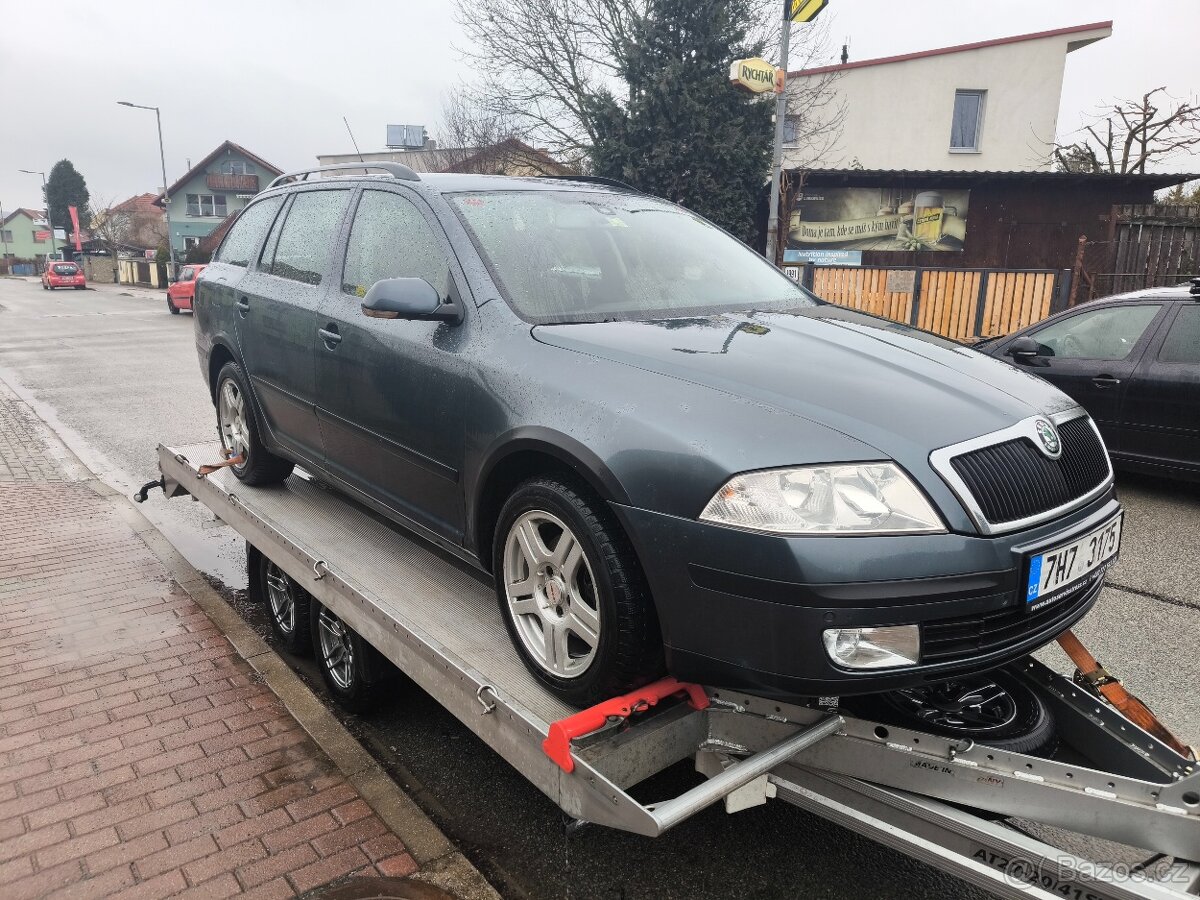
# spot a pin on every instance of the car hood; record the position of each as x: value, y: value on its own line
x: 903, y: 391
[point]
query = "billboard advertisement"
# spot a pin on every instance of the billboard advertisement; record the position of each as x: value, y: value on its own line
x: 878, y: 219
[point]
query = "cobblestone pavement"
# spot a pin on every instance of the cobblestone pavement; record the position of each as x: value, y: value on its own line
x: 139, y: 754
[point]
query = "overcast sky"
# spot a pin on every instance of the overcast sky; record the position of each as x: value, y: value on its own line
x: 277, y: 76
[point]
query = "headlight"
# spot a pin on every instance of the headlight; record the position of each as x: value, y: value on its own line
x: 863, y: 498
x: 874, y: 648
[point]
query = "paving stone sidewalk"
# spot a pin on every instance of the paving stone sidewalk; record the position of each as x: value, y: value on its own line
x: 139, y: 754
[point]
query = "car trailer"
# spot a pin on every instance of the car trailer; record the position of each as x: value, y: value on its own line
x: 944, y: 801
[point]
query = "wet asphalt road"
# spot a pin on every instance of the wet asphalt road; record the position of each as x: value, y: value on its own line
x: 116, y: 375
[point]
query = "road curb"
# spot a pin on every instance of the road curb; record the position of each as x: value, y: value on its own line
x: 440, y: 862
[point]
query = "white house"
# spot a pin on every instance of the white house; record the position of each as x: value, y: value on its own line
x: 991, y: 105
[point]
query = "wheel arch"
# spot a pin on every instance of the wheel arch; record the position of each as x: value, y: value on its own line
x: 523, y: 454
x: 217, y: 358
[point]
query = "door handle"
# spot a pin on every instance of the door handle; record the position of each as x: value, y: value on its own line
x: 1105, y: 381
x: 243, y: 305
x: 330, y: 336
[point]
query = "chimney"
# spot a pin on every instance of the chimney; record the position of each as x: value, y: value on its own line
x: 845, y: 53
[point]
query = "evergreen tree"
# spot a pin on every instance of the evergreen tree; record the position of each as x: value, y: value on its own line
x: 684, y: 133
x: 66, y: 187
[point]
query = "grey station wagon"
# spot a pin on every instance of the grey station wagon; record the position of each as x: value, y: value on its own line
x: 668, y: 455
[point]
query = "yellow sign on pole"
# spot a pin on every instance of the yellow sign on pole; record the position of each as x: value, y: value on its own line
x: 805, y: 10
x: 755, y: 75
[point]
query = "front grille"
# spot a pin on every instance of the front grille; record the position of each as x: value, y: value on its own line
x: 966, y: 637
x: 1014, y: 480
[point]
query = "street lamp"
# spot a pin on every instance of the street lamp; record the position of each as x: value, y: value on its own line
x: 49, y: 221
x: 162, y: 156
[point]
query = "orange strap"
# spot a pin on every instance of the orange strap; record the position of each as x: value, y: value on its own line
x: 1114, y: 692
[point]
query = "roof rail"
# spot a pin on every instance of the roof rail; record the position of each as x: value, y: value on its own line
x: 594, y: 179
x: 396, y: 170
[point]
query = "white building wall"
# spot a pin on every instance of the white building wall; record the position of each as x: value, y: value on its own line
x: 898, y: 114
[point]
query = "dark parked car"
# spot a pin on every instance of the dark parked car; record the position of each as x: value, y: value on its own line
x: 650, y: 437
x: 1133, y: 362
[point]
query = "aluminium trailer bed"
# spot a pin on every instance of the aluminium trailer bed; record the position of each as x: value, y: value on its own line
x: 940, y: 800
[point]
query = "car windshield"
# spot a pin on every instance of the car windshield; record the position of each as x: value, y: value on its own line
x: 67, y: 269
x: 572, y: 256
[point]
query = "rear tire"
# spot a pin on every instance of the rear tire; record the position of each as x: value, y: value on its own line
x: 352, y: 669
x: 288, y: 607
x: 579, y: 612
x: 171, y: 306
x: 237, y: 426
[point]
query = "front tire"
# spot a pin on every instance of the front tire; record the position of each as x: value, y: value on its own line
x: 238, y: 429
x: 572, y: 593
x: 171, y: 306
x: 351, y: 668
x: 288, y: 607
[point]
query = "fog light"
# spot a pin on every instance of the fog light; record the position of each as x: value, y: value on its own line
x: 874, y: 648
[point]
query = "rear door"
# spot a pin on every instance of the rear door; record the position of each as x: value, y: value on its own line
x: 390, y: 391
x: 277, y: 307
x: 1162, y: 404
x: 1091, y: 355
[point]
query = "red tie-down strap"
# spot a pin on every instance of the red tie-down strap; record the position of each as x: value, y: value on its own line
x: 558, y: 743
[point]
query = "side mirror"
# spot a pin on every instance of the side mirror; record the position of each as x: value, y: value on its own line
x: 1024, y: 349
x: 409, y: 298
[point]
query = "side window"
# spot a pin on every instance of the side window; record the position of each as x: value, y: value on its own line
x: 1183, y: 340
x: 1108, y: 334
x: 247, y: 232
x: 391, y: 239
x: 186, y: 274
x: 308, y: 234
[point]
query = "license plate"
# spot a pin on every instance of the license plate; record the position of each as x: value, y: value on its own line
x: 1066, y: 570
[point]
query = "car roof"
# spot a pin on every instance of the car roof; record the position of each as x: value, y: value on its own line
x: 1177, y: 292
x: 454, y: 183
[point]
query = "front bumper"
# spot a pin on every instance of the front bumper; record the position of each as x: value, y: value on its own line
x: 746, y: 611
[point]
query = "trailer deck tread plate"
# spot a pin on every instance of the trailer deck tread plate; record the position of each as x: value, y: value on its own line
x: 401, y: 573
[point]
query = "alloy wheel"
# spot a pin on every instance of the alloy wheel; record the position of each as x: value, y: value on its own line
x: 551, y: 594
x: 280, y: 595
x: 231, y: 416
x: 337, y: 649
x: 977, y: 705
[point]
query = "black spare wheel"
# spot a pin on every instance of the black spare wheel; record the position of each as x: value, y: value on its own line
x: 996, y: 708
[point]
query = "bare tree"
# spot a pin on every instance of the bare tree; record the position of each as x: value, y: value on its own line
x: 112, y: 227
x: 484, y: 141
x: 1129, y: 135
x: 546, y: 62
x: 816, y: 111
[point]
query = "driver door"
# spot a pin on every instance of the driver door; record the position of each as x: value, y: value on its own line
x: 1091, y: 355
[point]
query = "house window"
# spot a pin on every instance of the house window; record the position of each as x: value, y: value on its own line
x: 190, y: 242
x: 236, y: 167
x: 207, y: 205
x: 38, y: 240
x: 967, y: 122
x: 6, y: 236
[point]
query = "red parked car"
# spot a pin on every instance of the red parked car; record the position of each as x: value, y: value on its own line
x: 63, y: 274
x: 181, y: 291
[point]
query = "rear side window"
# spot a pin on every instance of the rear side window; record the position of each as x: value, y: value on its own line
x: 391, y: 239
x: 247, y: 232
x: 1183, y: 341
x: 308, y: 235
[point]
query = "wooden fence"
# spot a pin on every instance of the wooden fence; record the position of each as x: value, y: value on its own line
x: 958, y: 303
x: 1150, y: 245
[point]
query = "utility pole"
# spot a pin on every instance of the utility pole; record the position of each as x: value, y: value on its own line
x: 3, y: 243
x: 793, y: 11
x: 162, y: 157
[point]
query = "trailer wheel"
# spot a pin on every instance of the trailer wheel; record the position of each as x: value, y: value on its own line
x: 572, y: 593
x: 239, y: 431
x: 288, y: 606
x: 351, y: 668
x: 996, y: 708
